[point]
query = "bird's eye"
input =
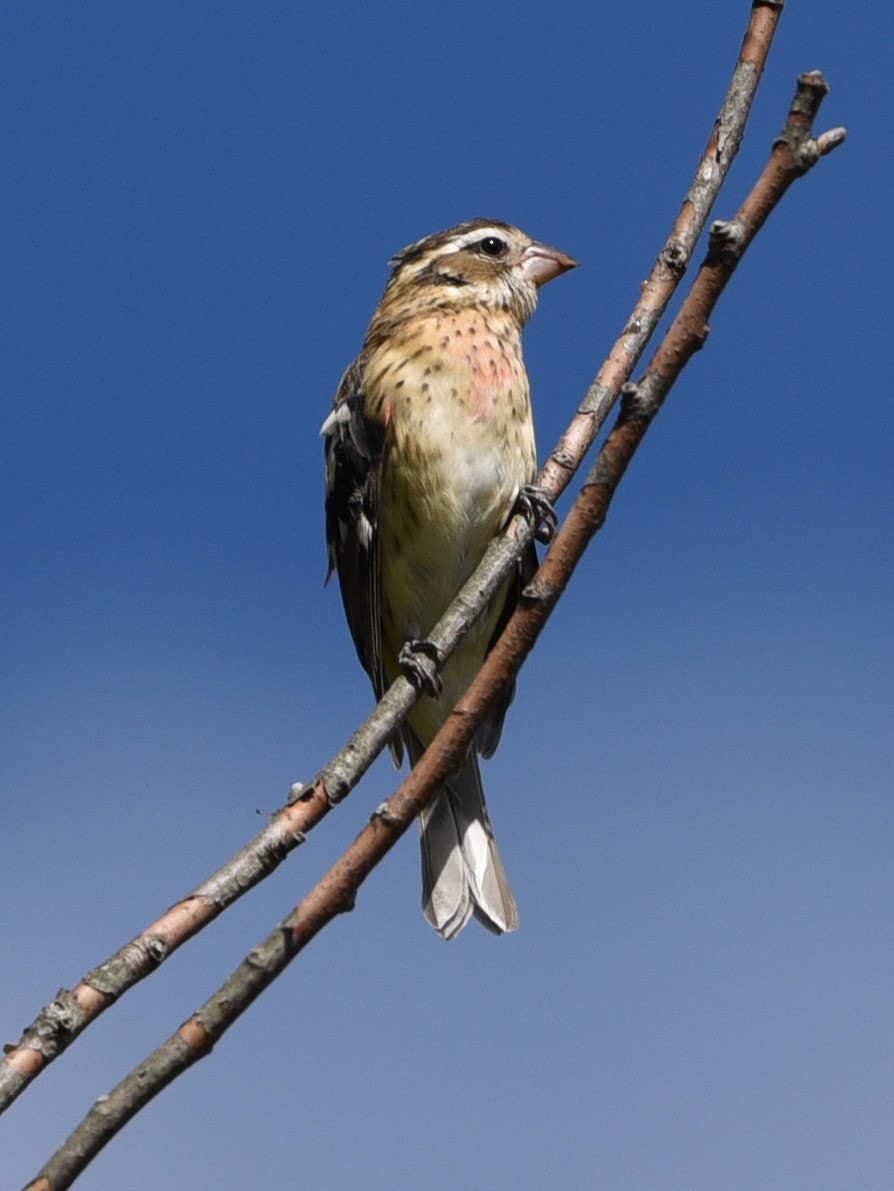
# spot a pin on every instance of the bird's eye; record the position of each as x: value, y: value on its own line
x: 492, y: 246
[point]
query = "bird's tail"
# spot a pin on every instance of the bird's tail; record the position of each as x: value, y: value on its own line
x: 462, y: 873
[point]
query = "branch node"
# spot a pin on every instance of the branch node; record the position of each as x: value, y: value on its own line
x: 157, y: 948
x: 631, y: 400
x: 383, y: 814
x: 675, y: 257
x: 53, y: 1029
x: 811, y: 90
x: 635, y: 325
x: 336, y: 785
x: 641, y: 400
x: 726, y: 240
x: 564, y: 458
x: 538, y: 592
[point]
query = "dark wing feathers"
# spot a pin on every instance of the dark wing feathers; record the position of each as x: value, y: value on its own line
x: 354, y: 447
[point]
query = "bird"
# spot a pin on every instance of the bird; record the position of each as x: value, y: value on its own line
x: 429, y: 448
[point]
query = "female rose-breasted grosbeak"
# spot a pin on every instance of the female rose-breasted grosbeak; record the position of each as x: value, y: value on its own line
x: 428, y: 446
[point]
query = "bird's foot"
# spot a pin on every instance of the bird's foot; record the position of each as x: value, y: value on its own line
x: 535, y: 505
x: 420, y: 661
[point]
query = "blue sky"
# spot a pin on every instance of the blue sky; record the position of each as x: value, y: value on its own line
x: 693, y: 792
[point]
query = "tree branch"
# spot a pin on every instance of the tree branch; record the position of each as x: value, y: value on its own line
x: 71, y: 1011
x: 793, y: 153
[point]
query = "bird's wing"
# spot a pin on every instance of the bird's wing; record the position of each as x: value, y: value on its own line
x: 354, y: 460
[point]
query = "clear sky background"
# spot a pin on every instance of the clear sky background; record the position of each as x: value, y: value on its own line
x: 693, y: 795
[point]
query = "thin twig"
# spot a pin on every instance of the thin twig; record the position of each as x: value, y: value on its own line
x: 71, y: 1011
x: 793, y: 153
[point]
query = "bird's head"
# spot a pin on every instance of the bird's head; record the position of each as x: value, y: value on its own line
x: 482, y: 262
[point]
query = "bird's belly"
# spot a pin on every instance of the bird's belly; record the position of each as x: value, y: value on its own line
x: 450, y: 484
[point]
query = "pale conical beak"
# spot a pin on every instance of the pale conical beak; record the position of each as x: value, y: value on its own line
x: 540, y: 263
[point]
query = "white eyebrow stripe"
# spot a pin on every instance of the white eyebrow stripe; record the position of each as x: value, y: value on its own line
x: 475, y: 237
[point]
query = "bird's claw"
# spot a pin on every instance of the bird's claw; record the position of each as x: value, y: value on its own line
x: 535, y: 505
x: 419, y: 660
